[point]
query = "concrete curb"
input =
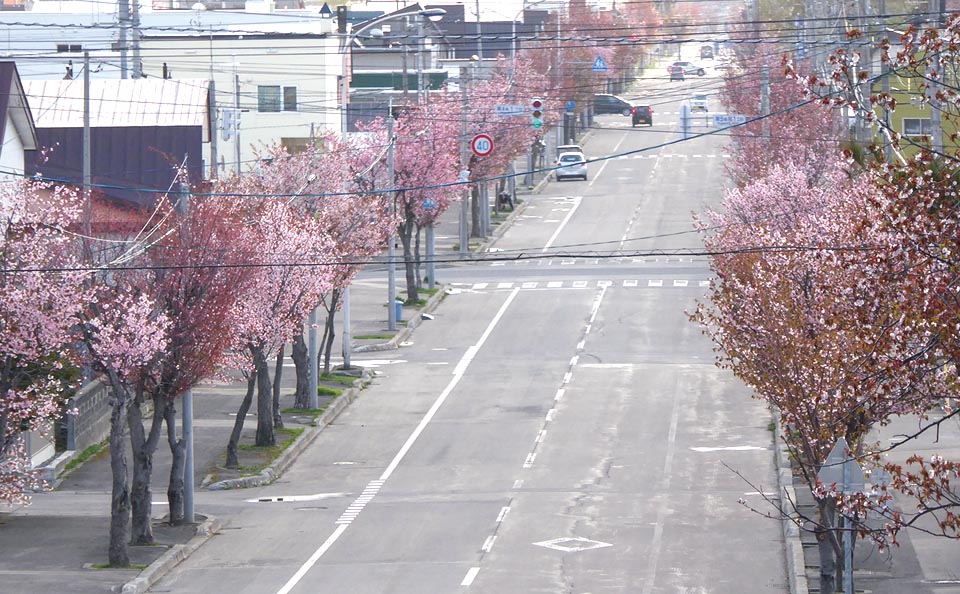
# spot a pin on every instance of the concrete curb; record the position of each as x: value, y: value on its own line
x: 289, y: 456
x: 167, y: 561
x: 404, y: 334
x: 793, y: 548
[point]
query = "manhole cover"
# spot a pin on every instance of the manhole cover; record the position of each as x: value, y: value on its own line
x: 572, y: 544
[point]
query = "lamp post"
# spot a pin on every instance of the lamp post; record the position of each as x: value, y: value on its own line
x: 434, y: 14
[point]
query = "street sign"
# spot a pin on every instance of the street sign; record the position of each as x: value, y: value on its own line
x: 510, y: 110
x: 599, y: 65
x: 833, y: 469
x: 725, y: 120
x: 571, y: 105
x: 481, y: 145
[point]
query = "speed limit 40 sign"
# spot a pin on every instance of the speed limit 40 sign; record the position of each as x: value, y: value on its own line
x: 481, y: 145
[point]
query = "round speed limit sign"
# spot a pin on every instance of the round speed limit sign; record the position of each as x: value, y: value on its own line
x: 481, y: 145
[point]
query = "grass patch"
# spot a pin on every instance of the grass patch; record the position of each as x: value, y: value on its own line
x: 417, y: 303
x: 373, y: 337
x: 426, y: 291
x: 336, y: 378
x: 772, y: 427
x: 313, y: 412
x: 137, y: 566
x: 325, y: 391
x: 87, y: 454
x: 284, y: 437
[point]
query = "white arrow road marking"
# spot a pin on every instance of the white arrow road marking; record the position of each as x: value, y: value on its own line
x: 289, y: 498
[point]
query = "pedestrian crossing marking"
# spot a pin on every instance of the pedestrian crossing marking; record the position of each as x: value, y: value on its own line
x: 582, y: 284
x: 554, y: 284
x: 655, y: 283
x: 579, y: 284
x: 504, y: 285
x: 629, y: 283
x: 530, y: 285
x: 679, y: 283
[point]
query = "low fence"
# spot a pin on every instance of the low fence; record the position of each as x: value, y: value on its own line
x: 91, y: 423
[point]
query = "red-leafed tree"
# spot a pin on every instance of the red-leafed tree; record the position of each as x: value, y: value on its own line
x: 41, y: 289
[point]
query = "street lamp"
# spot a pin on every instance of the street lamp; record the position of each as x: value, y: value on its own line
x: 434, y: 14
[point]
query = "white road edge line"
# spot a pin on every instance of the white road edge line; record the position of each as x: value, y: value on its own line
x: 309, y: 563
x: 471, y: 575
x: 616, y: 150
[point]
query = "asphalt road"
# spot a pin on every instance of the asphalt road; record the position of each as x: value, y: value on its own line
x: 559, y: 427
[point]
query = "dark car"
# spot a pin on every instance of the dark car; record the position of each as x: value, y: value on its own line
x: 642, y: 114
x: 676, y: 73
x: 706, y: 52
x: 603, y: 103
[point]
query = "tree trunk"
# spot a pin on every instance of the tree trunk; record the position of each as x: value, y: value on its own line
x: 416, y: 258
x: 265, y: 435
x: 232, y: 459
x: 277, y: 375
x: 117, y: 552
x: 406, y: 238
x: 330, y: 330
x: 299, y: 355
x: 178, y: 465
x: 143, y: 446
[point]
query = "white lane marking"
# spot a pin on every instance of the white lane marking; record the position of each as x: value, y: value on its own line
x: 655, y: 283
x: 504, y: 285
x: 630, y: 283
x: 554, y: 284
x: 566, y: 219
x: 446, y: 391
x: 566, y: 377
x: 438, y: 363
x: 518, y: 483
x: 581, y: 344
x: 727, y: 449
x: 312, y: 560
x: 471, y: 575
x: 567, y: 262
x: 530, y: 285
x: 579, y: 284
x: 540, y: 436
x: 654, y: 558
x: 480, y: 285
x: 616, y: 150
x: 550, y: 414
x: 488, y: 544
x: 679, y: 283
x: 529, y: 461
x: 342, y: 526
x: 573, y: 361
x: 503, y: 513
x: 559, y: 395
x: 704, y: 283
x: 343, y: 463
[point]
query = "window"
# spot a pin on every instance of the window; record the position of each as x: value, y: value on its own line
x: 63, y: 48
x: 917, y: 127
x: 276, y: 98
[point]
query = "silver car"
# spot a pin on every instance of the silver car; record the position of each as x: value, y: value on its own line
x: 571, y: 165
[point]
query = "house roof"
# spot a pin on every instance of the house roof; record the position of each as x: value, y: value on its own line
x: 144, y: 102
x: 14, y: 102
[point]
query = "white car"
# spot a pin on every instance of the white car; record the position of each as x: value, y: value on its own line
x: 698, y: 102
x: 571, y: 165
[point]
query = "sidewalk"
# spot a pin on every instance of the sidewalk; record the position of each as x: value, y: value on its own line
x: 57, y: 543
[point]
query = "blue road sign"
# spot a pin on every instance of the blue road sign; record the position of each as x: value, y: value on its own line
x: 599, y: 65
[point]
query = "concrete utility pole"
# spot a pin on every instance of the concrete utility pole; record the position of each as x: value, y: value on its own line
x: 465, y: 172
x: 236, y: 115
x: 87, y: 175
x: 765, y: 101
x: 137, y: 62
x: 391, y: 255
x: 123, y: 9
x: 938, y: 8
x: 183, y: 207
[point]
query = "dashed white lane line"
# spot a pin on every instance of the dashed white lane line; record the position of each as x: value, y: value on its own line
x: 528, y: 463
x: 488, y: 544
x: 518, y: 484
x: 563, y: 223
x: 550, y: 414
x: 503, y: 513
x: 559, y: 395
x: 471, y: 575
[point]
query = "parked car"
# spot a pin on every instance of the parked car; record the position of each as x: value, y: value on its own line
x: 698, y: 102
x: 688, y: 68
x: 603, y: 103
x: 706, y: 52
x: 676, y: 73
x: 642, y: 114
x: 571, y: 165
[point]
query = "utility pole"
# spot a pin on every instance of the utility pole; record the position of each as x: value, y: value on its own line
x: 183, y: 207
x: 236, y: 106
x: 465, y: 172
x: 391, y: 263
x: 137, y: 62
x: 765, y: 101
x: 938, y: 8
x: 87, y: 175
x: 123, y: 8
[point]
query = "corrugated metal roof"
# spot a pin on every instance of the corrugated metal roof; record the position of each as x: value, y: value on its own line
x: 118, y: 103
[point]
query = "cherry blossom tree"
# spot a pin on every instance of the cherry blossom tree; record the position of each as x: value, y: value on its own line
x: 41, y: 289
x: 121, y: 334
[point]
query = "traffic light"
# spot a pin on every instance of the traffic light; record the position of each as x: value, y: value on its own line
x: 536, y: 112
